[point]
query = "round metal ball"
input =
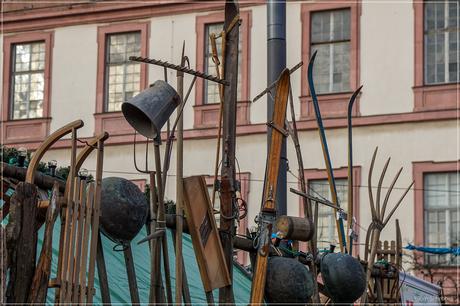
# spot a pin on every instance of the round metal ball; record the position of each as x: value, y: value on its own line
x: 288, y: 281
x: 124, y: 209
x: 343, y: 277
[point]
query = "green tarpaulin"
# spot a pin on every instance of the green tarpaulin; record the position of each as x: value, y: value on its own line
x: 117, y: 277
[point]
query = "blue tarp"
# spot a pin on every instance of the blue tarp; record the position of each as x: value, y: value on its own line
x: 117, y: 277
x: 455, y: 251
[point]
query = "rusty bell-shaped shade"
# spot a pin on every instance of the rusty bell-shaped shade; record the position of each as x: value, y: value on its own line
x: 148, y: 111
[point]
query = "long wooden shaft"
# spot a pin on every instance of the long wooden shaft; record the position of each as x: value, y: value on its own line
x: 185, y: 287
x: 221, y: 111
x: 95, y: 219
x: 154, y: 267
x: 166, y: 267
x: 132, y: 282
x: 102, y: 273
x: 303, y: 186
x: 161, y: 212
x: 228, y: 196
x: 179, y: 187
x: 65, y: 220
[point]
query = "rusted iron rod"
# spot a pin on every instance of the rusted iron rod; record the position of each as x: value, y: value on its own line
x: 178, y: 68
x: 272, y: 85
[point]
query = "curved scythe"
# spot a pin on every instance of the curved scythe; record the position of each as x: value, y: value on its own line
x: 327, y: 158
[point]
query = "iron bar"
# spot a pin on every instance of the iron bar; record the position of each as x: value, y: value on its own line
x: 178, y: 68
x: 272, y: 85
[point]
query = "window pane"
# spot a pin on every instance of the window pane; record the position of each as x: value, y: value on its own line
x: 441, y: 215
x: 28, y: 80
x: 327, y: 232
x: 441, y: 42
x: 123, y: 76
x: 211, y: 89
x: 330, y: 35
x: 329, y: 26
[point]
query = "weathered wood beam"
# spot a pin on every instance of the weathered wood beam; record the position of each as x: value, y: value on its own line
x: 42, y: 180
x: 21, y: 241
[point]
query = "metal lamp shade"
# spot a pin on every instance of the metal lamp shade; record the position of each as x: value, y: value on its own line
x: 148, y: 111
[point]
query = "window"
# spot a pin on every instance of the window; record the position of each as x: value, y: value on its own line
x: 118, y: 78
x: 211, y: 94
x: 123, y: 76
x: 441, y: 29
x: 436, y: 55
x: 28, y: 80
x: 327, y: 231
x: 26, y: 87
x: 206, y: 108
x: 332, y: 29
x: 330, y: 36
x: 441, y: 196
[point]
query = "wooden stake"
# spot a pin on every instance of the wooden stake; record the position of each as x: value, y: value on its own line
x: 102, y: 273
x: 95, y: 220
x: 231, y: 45
x: 132, y: 282
x: 179, y: 187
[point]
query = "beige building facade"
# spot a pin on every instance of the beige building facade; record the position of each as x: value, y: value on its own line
x: 402, y: 52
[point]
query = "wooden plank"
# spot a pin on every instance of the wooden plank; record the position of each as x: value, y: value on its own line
x: 39, y: 286
x: 95, y: 221
x: 86, y: 231
x: 67, y: 297
x: 21, y: 242
x: 205, y: 237
x: 79, y: 241
x: 65, y: 221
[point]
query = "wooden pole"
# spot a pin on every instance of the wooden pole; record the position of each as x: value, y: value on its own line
x: 39, y: 286
x: 132, y: 282
x: 228, y: 197
x: 102, y: 273
x: 179, y: 187
x: 161, y: 214
x: 154, y: 268
x: 95, y: 220
x: 21, y: 242
x: 306, y: 203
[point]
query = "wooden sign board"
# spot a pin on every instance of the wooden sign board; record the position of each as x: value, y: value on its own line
x: 205, y: 235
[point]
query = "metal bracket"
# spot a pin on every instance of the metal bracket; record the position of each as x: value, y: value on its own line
x: 278, y: 128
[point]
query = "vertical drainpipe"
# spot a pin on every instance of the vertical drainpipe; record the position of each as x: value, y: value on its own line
x: 276, y: 62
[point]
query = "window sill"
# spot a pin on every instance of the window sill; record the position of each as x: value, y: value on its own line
x: 113, y: 123
x: 25, y: 130
x: 332, y: 105
x: 436, y: 97
x: 207, y: 115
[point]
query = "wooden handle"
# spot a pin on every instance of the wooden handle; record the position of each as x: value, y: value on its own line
x: 30, y: 175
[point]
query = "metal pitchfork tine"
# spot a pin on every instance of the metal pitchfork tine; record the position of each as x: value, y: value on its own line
x: 378, y: 215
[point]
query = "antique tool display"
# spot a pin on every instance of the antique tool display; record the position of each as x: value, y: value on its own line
x: 282, y: 269
x: 268, y: 210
